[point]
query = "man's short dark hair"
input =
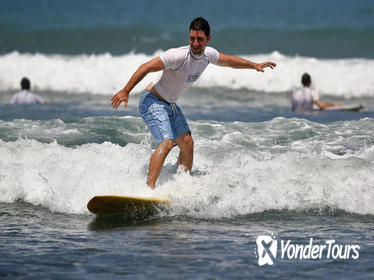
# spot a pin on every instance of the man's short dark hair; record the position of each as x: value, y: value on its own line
x: 305, y: 79
x: 25, y: 83
x: 200, y: 24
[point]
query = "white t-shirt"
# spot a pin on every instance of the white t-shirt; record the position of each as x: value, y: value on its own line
x: 303, y: 99
x: 182, y: 68
x: 26, y: 97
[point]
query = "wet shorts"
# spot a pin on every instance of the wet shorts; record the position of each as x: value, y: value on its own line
x: 165, y: 120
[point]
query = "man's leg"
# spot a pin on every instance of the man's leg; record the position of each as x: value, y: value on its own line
x: 186, y: 145
x: 157, y: 161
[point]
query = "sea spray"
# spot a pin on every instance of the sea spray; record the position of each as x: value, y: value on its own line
x: 239, y: 169
x: 107, y: 73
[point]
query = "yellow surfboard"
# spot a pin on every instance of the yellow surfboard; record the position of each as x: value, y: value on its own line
x: 114, y: 204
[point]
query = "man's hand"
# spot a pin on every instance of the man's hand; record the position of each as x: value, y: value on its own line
x: 119, y: 97
x: 261, y: 66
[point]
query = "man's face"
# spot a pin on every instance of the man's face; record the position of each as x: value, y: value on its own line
x: 198, y: 41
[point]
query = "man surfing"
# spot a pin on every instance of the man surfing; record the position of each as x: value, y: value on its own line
x: 181, y: 68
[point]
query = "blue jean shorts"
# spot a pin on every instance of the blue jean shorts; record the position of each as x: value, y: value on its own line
x: 165, y: 121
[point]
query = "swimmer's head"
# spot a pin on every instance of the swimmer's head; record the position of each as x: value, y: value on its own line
x: 306, y: 80
x: 25, y: 83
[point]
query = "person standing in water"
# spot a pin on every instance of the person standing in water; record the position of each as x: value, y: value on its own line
x: 25, y: 96
x: 304, y: 99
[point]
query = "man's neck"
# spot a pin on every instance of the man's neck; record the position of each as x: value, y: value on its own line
x: 196, y: 56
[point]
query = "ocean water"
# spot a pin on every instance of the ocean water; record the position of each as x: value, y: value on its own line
x: 259, y: 169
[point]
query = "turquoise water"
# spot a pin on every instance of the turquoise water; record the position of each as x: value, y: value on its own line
x: 259, y: 169
x: 329, y: 29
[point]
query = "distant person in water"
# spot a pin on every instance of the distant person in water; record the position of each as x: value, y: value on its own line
x: 304, y: 99
x: 25, y: 96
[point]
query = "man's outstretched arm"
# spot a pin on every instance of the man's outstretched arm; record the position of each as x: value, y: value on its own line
x: 153, y: 65
x: 241, y: 63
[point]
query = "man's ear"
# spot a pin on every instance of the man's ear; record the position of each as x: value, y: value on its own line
x: 209, y: 37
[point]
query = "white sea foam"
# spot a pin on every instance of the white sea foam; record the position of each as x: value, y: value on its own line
x: 105, y: 73
x: 228, y: 179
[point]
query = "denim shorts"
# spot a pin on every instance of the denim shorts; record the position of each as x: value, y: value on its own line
x: 164, y: 120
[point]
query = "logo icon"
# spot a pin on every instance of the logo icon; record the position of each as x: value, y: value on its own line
x: 193, y: 77
x: 266, y: 249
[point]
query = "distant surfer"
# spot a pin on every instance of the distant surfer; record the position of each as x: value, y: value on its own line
x: 181, y: 68
x: 304, y: 99
x: 25, y: 96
